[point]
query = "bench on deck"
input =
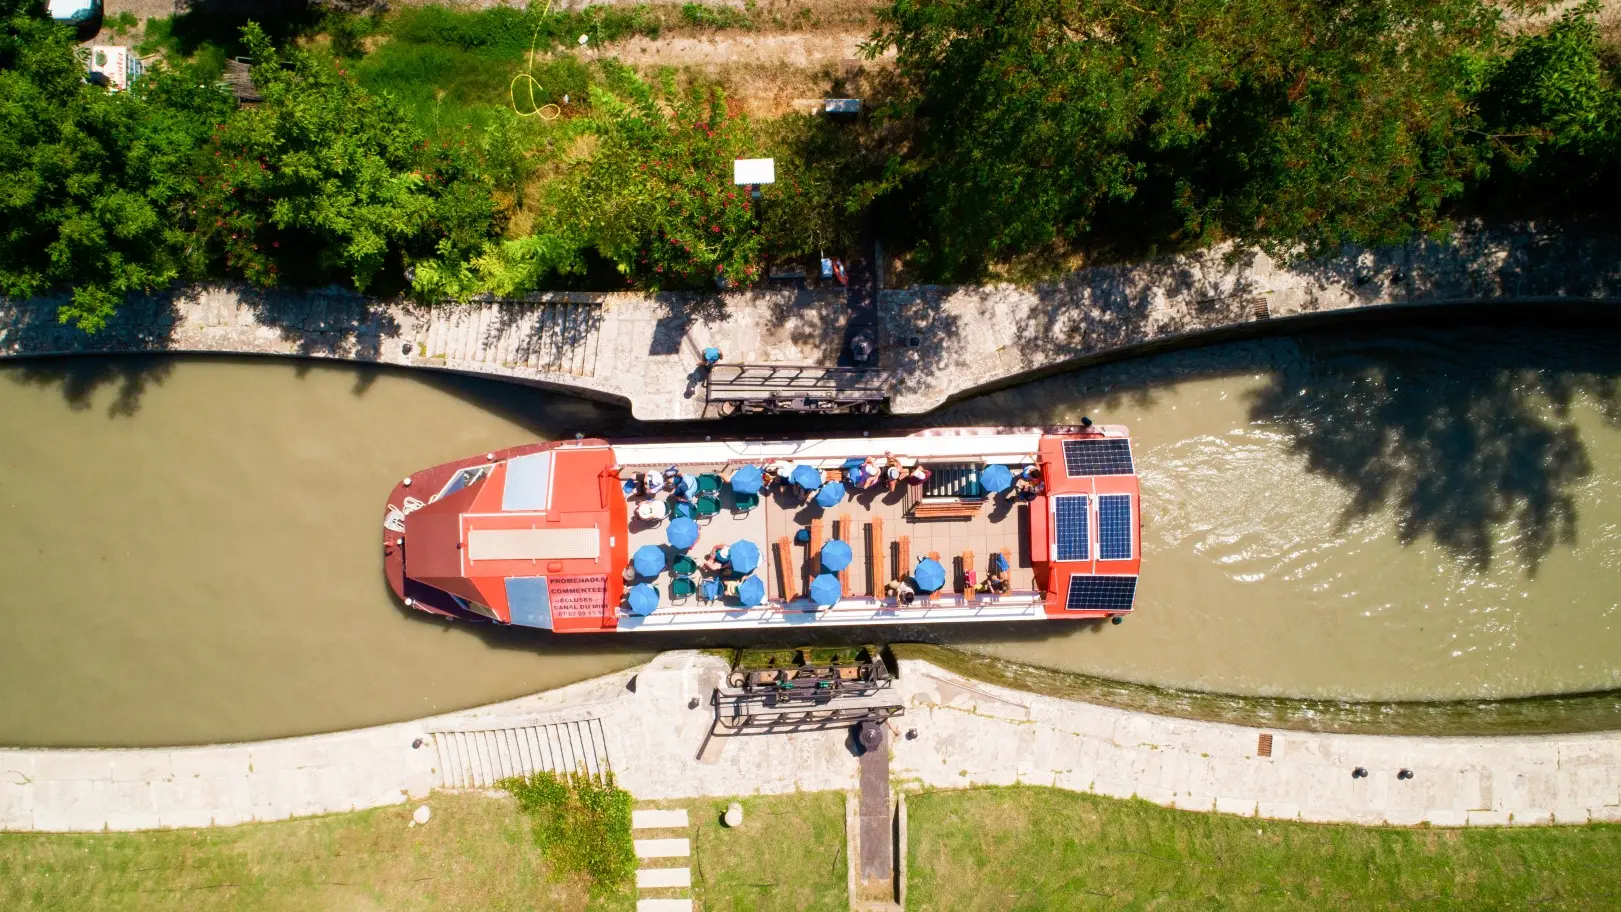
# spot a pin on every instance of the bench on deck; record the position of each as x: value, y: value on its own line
x: 880, y: 550
x: 952, y: 509
x: 785, y: 568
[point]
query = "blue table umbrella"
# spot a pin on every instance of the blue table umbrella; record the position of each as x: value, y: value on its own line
x: 747, y: 480
x: 806, y: 477
x: 649, y: 560
x: 825, y: 589
x: 830, y: 494
x: 745, y: 556
x: 929, y: 574
x: 836, y: 555
x: 996, y: 478
x: 643, y: 599
x: 682, y: 532
x: 752, y: 591
x: 710, y: 588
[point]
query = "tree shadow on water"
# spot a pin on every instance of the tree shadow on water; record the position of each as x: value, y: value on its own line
x: 1473, y: 453
x: 81, y: 378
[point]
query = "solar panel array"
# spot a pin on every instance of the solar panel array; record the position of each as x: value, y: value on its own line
x: 1098, y: 456
x: 1101, y: 593
x: 1114, y: 527
x: 1070, y: 524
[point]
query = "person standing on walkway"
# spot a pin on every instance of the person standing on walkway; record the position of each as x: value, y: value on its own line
x: 711, y: 357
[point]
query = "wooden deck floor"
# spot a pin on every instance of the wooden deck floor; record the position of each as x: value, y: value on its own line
x: 885, y: 541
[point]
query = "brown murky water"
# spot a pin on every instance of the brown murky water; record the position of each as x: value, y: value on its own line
x: 188, y: 546
x: 189, y: 551
x: 1414, y: 515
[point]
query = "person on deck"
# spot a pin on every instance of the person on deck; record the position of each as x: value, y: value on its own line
x: 900, y: 591
x: 718, y: 560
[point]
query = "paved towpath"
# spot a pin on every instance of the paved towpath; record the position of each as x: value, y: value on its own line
x: 653, y: 721
x: 643, y: 349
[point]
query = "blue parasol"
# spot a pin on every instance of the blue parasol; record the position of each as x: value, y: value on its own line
x: 825, y: 589
x: 752, y: 591
x: 745, y: 556
x: 836, y: 555
x: 747, y: 480
x: 643, y: 599
x: 806, y: 477
x: 649, y: 560
x: 830, y: 494
x: 682, y: 533
x: 710, y: 589
x: 996, y: 478
x: 929, y: 574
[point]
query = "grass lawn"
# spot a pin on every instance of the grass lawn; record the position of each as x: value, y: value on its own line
x: 1039, y: 848
x: 476, y: 853
x: 787, y: 855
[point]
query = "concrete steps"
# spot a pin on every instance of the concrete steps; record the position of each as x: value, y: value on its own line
x: 481, y: 758
x: 559, y: 338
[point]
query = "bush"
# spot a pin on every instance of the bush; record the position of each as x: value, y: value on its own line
x: 703, y: 15
x: 654, y: 195
x: 582, y: 823
x: 509, y: 33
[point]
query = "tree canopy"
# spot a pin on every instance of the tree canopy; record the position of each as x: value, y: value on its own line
x: 1281, y: 123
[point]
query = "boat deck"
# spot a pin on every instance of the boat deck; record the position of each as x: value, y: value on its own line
x: 874, y: 522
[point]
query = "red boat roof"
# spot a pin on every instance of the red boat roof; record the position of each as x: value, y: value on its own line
x: 528, y: 540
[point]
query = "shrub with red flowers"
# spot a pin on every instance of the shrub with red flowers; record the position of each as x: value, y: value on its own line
x: 653, y: 194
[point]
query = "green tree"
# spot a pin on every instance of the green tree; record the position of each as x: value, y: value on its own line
x: 89, y: 179
x: 1553, y: 119
x: 1038, y: 122
x: 332, y: 181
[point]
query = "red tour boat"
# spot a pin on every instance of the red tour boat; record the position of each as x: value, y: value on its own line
x: 947, y: 525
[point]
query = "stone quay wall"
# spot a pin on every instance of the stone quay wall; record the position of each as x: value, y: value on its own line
x: 940, y: 341
x: 652, y: 726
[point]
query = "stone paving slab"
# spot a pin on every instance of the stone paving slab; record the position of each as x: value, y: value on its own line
x: 658, y: 820
x: 663, y: 848
x: 663, y: 878
x: 968, y: 733
x: 643, y: 349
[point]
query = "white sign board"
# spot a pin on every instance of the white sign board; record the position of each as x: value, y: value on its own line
x: 113, y: 62
x: 747, y: 171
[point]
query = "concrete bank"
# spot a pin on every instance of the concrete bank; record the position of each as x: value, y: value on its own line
x: 939, y: 341
x: 650, y: 726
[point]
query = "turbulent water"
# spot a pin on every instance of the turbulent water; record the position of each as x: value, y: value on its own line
x: 1417, y: 514
x: 190, y: 546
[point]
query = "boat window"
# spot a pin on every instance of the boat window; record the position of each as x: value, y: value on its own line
x: 464, y: 478
x: 475, y: 607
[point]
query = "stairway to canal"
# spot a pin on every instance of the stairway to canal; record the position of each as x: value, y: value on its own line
x: 559, y: 338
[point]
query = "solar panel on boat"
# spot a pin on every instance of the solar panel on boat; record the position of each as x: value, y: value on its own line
x: 1070, y: 524
x: 1114, y: 527
x: 1101, y: 593
x: 1098, y: 456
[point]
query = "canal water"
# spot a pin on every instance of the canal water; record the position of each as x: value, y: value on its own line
x: 189, y: 546
x: 190, y: 550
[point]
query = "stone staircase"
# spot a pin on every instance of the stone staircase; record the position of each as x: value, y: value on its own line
x: 559, y: 337
x: 480, y: 758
